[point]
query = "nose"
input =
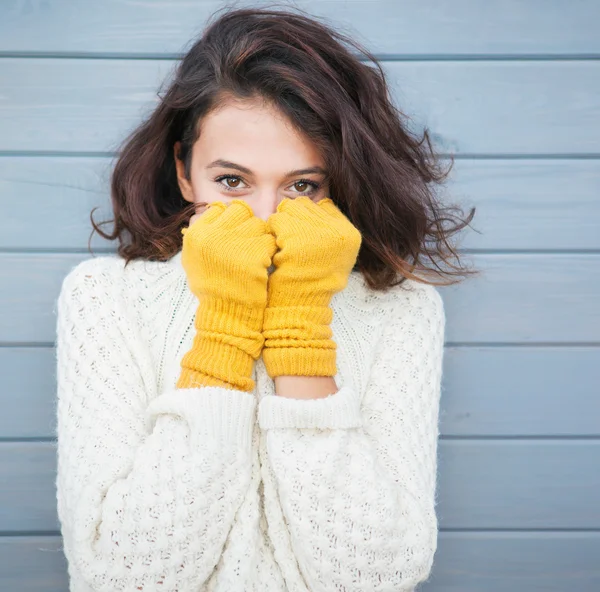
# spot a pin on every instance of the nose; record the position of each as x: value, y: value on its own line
x: 266, y: 205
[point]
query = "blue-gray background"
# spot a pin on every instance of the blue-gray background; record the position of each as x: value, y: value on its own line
x: 512, y: 88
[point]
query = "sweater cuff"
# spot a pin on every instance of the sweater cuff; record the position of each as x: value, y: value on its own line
x: 224, y: 415
x: 337, y: 411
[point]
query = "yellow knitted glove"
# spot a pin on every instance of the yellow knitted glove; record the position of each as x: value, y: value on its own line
x: 226, y: 254
x: 318, y: 247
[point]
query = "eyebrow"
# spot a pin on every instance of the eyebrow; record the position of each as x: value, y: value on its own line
x: 232, y: 165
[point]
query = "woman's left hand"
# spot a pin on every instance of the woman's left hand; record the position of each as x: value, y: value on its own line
x: 317, y: 249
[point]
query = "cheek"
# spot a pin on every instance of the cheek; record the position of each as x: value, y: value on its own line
x: 204, y: 190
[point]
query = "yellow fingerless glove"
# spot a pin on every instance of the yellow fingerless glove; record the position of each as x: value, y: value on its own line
x: 226, y: 254
x: 318, y: 247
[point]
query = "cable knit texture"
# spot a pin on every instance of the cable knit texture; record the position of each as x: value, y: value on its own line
x: 217, y: 489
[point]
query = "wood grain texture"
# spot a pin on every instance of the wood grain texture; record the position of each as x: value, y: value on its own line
x: 463, y: 27
x: 28, y: 392
x: 545, y: 204
x: 524, y: 298
x: 33, y: 564
x: 521, y: 391
x: 483, y: 484
x: 490, y: 108
x: 547, y: 391
x: 464, y: 562
x: 511, y: 87
x: 516, y: 562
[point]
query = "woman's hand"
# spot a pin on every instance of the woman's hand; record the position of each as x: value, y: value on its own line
x: 318, y: 247
x: 226, y: 253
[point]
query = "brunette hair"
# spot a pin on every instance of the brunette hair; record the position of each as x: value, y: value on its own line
x: 382, y: 176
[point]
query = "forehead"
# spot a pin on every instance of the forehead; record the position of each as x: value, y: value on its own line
x: 254, y: 133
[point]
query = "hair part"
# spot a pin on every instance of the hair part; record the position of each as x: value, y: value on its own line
x: 383, y: 177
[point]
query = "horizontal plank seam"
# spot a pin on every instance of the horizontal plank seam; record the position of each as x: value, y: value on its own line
x: 383, y: 57
x: 551, y: 438
x: 524, y: 531
x: 458, y: 156
x: 466, y: 251
x: 448, y: 344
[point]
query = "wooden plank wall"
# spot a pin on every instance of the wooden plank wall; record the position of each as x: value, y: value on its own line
x: 512, y: 88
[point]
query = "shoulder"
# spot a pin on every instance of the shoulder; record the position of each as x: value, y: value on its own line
x: 111, y: 276
x: 94, y: 276
x: 403, y: 323
x: 415, y: 329
x: 103, y: 291
x: 90, y: 296
x: 103, y: 266
x: 419, y: 307
x: 409, y: 299
x: 414, y: 317
x: 417, y: 299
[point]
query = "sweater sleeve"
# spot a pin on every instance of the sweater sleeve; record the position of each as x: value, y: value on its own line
x: 147, y: 486
x: 356, y: 481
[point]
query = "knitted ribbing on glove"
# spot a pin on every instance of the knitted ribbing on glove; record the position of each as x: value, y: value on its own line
x: 226, y: 254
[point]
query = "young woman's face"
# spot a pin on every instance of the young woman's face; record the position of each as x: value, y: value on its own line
x: 250, y: 151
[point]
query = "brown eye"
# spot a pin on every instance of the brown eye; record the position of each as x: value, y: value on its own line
x: 227, y: 178
x: 306, y: 187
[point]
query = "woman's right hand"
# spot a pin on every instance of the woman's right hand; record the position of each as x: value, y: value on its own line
x: 226, y: 254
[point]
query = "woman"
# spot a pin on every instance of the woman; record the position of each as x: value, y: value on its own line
x: 248, y: 396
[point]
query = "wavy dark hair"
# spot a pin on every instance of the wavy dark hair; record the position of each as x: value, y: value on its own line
x: 383, y: 177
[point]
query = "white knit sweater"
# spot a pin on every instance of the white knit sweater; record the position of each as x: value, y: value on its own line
x: 192, y: 490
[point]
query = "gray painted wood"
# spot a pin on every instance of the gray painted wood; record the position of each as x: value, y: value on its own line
x: 523, y: 204
x: 63, y: 190
x: 535, y: 107
x: 524, y: 298
x: 515, y: 562
x: 519, y: 484
x: 496, y: 27
x: 538, y: 397
x: 520, y: 412
x: 464, y: 562
x: 27, y: 392
x: 527, y: 298
x: 27, y: 490
x: 521, y: 391
x: 545, y: 204
x: 33, y: 564
x: 483, y: 484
